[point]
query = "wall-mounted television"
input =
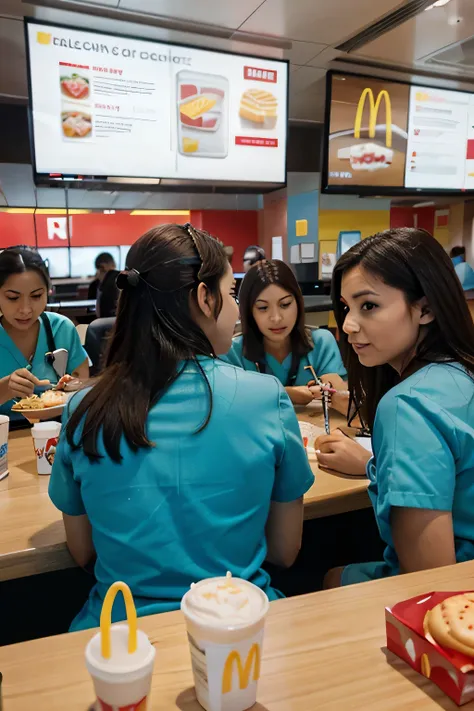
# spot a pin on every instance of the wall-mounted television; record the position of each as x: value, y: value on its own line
x: 106, y: 105
x: 386, y: 137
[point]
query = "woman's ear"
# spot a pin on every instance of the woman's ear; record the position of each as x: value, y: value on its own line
x: 204, y: 300
x: 426, y: 315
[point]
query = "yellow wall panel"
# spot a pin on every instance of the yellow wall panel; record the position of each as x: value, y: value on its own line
x: 331, y: 222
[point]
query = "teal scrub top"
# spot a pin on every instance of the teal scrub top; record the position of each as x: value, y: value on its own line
x: 423, y: 443
x: 466, y: 275
x: 11, y: 358
x: 324, y: 357
x: 195, y: 505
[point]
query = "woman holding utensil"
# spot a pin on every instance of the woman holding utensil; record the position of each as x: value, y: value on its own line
x: 275, y: 340
x: 409, y: 340
x: 36, y: 348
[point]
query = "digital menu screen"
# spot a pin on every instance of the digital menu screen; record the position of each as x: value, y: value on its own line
x: 107, y: 105
x: 386, y: 135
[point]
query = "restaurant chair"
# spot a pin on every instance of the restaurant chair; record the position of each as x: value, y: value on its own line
x: 96, y: 341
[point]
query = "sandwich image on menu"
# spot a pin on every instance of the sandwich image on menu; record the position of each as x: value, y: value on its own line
x: 76, y: 113
x: 368, y: 132
x: 258, y: 109
x: 202, y: 115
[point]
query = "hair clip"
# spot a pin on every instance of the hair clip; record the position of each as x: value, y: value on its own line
x: 129, y: 277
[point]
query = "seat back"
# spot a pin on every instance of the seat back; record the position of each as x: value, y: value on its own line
x: 96, y: 341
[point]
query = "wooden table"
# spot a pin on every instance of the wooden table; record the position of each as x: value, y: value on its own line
x: 32, y: 537
x: 323, y: 651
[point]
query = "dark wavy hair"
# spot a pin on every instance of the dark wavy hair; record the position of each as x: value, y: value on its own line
x: 20, y: 259
x: 263, y: 274
x: 153, y: 333
x: 412, y: 261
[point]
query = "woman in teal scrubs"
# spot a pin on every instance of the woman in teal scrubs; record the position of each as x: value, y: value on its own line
x: 156, y: 474
x: 275, y: 340
x: 409, y: 340
x: 27, y: 334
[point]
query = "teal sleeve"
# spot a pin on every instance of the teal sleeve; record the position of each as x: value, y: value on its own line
x: 293, y: 476
x: 326, y: 357
x: 67, y: 337
x: 414, y: 464
x: 64, y: 491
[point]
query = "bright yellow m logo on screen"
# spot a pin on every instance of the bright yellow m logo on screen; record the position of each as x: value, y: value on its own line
x: 374, y: 106
x: 243, y: 671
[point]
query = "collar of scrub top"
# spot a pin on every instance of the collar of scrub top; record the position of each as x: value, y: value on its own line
x: 263, y: 367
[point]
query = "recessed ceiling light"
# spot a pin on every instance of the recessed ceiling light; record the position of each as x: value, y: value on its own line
x: 438, y: 3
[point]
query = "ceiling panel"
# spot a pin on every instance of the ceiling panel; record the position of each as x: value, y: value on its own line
x: 305, y: 77
x: 303, y: 52
x: 325, y: 21
x: 225, y: 13
x: 424, y: 34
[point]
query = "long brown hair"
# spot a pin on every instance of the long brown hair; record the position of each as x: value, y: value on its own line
x: 412, y: 261
x: 263, y: 274
x: 154, y: 332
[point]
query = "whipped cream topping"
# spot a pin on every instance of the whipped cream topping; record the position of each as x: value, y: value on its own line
x: 224, y: 600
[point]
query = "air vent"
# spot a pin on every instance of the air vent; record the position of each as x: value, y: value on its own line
x: 385, y: 24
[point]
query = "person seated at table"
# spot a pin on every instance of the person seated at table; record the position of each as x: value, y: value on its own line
x: 27, y: 334
x: 275, y: 339
x: 156, y: 472
x: 409, y: 341
x: 107, y: 292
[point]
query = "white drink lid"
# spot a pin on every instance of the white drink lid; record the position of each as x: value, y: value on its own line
x: 45, y: 430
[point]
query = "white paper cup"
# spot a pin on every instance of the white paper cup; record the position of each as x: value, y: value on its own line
x: 123, y: 681
x: 226, y: 659
x: 45, y: 439
x: 4, y: 427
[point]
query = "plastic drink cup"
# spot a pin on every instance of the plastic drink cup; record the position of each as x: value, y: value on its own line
x: 45, y: 438
x: 4, y: 427
x: 225, y: 620
x: 120, y: 659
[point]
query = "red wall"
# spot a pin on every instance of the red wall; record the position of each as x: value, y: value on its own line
x: 401, y: 217
x: 405, y: 217
x: 236, y: 228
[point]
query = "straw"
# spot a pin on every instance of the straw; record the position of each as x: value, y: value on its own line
x: 106, y: 619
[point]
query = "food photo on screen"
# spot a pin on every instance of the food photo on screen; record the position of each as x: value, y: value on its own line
x: 75, y: 87
x: 202, y: 114
x: 76, y: 125
x: 258, y: 109
x: 367, y: 132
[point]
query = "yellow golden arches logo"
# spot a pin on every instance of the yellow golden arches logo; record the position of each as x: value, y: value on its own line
x: 253, y: 658
x: 43, y: 38
x: 374, y: 106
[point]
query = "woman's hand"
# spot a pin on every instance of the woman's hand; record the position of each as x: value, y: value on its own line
x: 301, y: 394
x: 341, y: 453
x: 21, y: 383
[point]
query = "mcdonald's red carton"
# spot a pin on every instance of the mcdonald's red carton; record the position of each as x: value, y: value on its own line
x: 408, y: 626
x: 225, y: 620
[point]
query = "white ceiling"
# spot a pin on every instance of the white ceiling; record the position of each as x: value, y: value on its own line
x: 306, y: 32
